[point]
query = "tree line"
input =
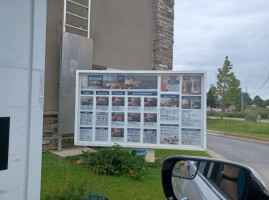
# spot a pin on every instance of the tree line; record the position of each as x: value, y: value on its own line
x: 227, y: 91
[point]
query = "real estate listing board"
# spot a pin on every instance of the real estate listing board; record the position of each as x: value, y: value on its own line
x: 141, y: 109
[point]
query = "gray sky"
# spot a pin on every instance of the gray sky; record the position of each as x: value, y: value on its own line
x: 206, y: 31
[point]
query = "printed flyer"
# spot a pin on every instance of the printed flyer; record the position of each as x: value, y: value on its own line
x: 86, y: 118
x: 191, y: 118
x: 113, y: 81
x: 117, y: 118
x: 101, y: 119
x: 134, y: 104
x: 133, y: 135
x: 150, y: 120
x: 102, y: 103
x: 191, y: 102
x: 117, y: 135
x: 86, y: 103
x: 169, y: 100
x: 170, y: 83
x: 134, y: 119
x: 191, y: 136
x: 169, y: 111
x: 169, y: 134
x: 150, y: 136
x: 191, y: 85
x: 101, y: 134
x: 85, y: 134
x: 118, y: 103
x: 150, y: 104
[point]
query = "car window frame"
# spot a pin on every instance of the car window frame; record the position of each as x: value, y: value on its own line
x: 209, y: 181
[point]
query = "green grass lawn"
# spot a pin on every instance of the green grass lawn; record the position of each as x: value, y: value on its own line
x: 242, y: 127
x: 58, y: 174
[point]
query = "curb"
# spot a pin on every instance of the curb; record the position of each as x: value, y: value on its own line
x: 213, y: 154
x: 239, y: 136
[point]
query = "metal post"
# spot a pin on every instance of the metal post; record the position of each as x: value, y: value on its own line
x: 64, y: 16
x: 59, y: 145
x: 89, y: 18
x: 242, y: 102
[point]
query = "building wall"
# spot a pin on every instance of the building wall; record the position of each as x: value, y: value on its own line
x: 127, y: 35
x: 53, y: 47
x: 122, y: 33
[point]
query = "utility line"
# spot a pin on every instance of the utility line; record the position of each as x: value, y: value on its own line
x: 265, y: 67
x: 260, y: 76
x: 261, y: 86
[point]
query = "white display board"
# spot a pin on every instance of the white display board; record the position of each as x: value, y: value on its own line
x: 141, y: 109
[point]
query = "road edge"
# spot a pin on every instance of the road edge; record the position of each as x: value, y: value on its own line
x: 239, y: 136
x: 213, y: 154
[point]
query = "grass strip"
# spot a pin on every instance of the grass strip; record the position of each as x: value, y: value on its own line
x: 241, y: 127
x: 59, y: 173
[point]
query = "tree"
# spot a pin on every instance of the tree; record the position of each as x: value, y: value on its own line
x: 266, y: 102
x: 227, y: 85
x: 258, y: 101
x: 212, y: 97
x: 246, y: 101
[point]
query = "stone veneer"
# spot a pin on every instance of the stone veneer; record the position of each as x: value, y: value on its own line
x: 50, y: 138
x: 163, y: 38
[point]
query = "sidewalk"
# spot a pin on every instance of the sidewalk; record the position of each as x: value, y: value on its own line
x: 239, y: 136
x: 71, y: 151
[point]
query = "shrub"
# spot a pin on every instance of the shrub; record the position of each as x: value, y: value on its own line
x: 264, y: 113
x: 116, y: 161
x: 235, y: 114
x: 213, y: 113
x: 251, y: 117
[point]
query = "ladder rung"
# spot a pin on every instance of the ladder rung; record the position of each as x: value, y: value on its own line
x: 78, y: 4
x: 81, y: 29
x: 76, y: 15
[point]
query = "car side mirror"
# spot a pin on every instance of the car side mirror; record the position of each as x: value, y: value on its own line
x: 188, y: 177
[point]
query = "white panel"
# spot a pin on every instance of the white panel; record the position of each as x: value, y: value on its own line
x: 13, y: 83
x: 35, y: 145
x: 22, y: 49
x: 14, y: 176
x: 13, y: 87
x: 15, y: 37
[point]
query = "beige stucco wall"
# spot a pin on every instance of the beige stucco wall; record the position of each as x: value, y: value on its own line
x: 53, y: 46
x: 122, y: 33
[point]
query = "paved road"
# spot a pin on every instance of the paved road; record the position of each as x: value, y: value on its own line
x: 253, y: 154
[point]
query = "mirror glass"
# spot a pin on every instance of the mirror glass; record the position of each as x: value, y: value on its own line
x: 185, y: 169
x: 208, y: 180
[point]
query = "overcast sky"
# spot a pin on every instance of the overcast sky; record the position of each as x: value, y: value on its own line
x: 206, y: 31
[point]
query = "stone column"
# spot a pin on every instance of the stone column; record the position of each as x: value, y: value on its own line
x: 163, y: 38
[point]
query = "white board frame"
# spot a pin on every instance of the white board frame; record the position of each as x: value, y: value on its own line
x: 179, y: 146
